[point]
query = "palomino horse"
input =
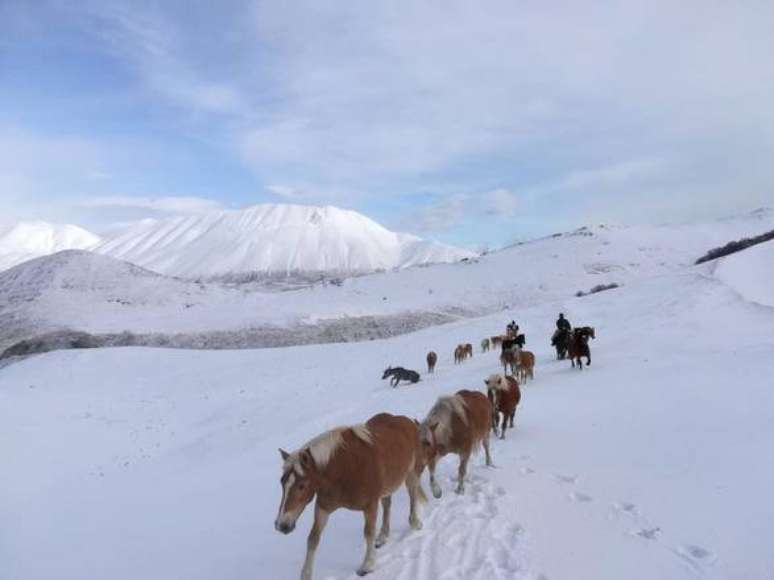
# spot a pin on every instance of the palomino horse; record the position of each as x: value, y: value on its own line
x: 353, y: 468
x: 456, y: 424
x: 525, y: 364
x: 432, y: 358
x: 579, y: 345
x: 485, y: 345
x: 504, y: 395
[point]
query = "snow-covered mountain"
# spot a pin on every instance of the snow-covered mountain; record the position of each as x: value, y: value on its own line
x: 99, y: 294
x: 26, y: 240
x: 273, y: 239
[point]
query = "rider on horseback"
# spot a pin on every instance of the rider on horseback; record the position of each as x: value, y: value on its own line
x: 562, y: 325
x: 512, y: 329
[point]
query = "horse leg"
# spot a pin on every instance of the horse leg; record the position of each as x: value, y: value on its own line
x: 320, y: 519
x: 512, y: 414
x: 384, y: 533
x: 588, y: 359
x: 462, y: 471
x: 414, y: 486
x: 505, y: 424
x: 370, y: 514
x: 434, y: 487
x: 485, y: 443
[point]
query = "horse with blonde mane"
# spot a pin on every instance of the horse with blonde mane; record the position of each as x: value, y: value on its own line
x: 525, y: 364
x: 352, y: 468
x: 456, y: 424
x: 504, y: 395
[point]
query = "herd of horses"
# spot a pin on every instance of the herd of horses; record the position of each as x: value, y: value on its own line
x: 361, y: 466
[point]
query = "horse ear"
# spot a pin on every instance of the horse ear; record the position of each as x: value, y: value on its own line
x: 416, y: 423
x: 284, y: 454
x: 306, y: 458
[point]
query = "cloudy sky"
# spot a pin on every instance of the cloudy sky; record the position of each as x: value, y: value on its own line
x: 470, y: 122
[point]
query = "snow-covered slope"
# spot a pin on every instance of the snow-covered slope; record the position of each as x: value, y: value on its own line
x: 552, y: 269
x: 273, y: 239
x: 750, y: 272
x: 27, y: 240
x: 653, y: 463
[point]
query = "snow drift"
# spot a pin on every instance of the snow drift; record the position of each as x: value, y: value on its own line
x: 750, y: 272
x: 271, y: 239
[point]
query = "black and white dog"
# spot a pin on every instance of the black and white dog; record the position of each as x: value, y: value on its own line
x: 399, y: 374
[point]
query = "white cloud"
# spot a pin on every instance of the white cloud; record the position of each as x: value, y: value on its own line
x: 152, y: 43
x: 457, y: 208
x: 176, y: 205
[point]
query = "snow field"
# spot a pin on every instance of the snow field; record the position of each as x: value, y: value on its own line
x: 129, y: 463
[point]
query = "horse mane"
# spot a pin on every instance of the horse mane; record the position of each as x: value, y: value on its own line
x: 443, y: 411
x: 323, y: 447
x: 501, y: 385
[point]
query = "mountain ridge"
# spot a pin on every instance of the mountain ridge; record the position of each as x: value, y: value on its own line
x: 273, y: 239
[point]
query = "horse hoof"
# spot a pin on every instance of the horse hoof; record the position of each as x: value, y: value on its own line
x: 363, y: 571
x: 416, y: 525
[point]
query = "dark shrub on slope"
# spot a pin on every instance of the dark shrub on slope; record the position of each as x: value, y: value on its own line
x: 736, y: 246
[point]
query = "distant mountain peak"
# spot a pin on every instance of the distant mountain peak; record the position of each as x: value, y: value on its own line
x: 30, y: 239
x: 273, y: 239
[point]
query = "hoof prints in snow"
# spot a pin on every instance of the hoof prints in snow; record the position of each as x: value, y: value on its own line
x: 464, y: 537
x: 647, y: 533
x: 695, y: 556
x: 580, y: 497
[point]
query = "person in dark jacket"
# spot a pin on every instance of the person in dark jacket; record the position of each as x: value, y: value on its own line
x: 562, y: 323
x: 512, y: 329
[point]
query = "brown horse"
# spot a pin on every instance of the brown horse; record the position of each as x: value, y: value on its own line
x: 496, y: 340
x: 468, y: 349
x: 456, y: 424
x: 504, y: 395
x: 353, y: 468
x: 485, y: 345
x: 459, y: 354
x: 508, y: 359
x: 579, y: 345
x: 432, y: 358
x: 525, y: 364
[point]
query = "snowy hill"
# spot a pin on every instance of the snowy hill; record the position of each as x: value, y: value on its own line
x: 27, y: 240
x: 650, y: 464
x: 750, y: 272
x: 105, y: 295
x: 273, y: 239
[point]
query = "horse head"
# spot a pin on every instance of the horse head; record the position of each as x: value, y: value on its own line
x: 300, y: 480
x: 387, y: 372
